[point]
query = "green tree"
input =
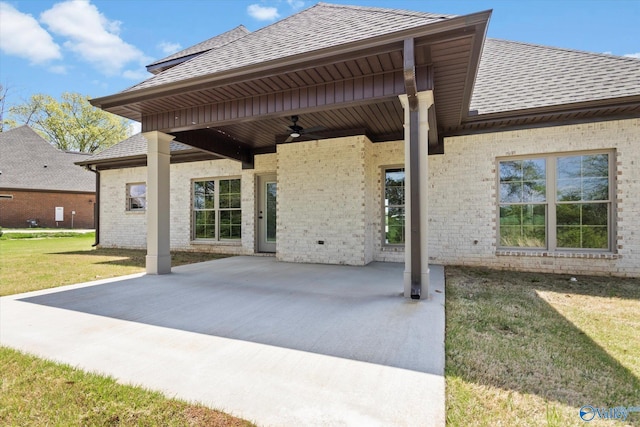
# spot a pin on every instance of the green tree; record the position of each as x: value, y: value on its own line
x: 71, y: 124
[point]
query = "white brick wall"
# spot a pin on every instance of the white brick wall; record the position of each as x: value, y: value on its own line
x: 128, y: 229
x: 463, y: 207
x: 321, y: 197
x: 332, y: 190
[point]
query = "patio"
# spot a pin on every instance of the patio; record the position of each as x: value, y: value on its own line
x: 276, y: 343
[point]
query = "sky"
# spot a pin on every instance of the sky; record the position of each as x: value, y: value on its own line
x: 101, y: 47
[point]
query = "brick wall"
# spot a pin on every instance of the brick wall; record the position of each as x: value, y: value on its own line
x: 332, y: 191
x: 41, y: 206
x: 463, y: 192
x: 321, y: 198
x: 120, y: 228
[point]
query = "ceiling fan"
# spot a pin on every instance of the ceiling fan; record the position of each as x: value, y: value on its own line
x: 296, y: 131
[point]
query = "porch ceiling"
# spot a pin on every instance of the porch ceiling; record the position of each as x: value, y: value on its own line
x: 353, y: 89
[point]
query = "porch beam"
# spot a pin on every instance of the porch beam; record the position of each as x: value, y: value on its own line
x: 338, y: 94
x: 215, y: 142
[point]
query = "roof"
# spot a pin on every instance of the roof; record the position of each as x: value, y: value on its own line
x: 133, y: 148
x: 515, y: 76
x: 185, y: 54
x: 318, y: 27
x: 28, y: 162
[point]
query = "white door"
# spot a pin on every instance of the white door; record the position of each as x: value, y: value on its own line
x: 267, y: 198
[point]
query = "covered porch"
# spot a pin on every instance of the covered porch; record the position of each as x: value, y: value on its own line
x: 409, y: 84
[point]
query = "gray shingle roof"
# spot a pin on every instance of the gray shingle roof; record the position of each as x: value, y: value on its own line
x: 318, y: 27
x: 515, y: 75
x: 212, y: 43
x: 133, y: 146
x: 29, y: 162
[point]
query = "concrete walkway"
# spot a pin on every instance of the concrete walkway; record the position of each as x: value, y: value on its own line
x: 276, y: 343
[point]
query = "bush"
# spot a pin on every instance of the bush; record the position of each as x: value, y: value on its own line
x: 0, y: 231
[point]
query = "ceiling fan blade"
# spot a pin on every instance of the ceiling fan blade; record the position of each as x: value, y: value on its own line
x: 289, y: 139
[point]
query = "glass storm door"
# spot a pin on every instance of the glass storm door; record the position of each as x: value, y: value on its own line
x: 267, y: 213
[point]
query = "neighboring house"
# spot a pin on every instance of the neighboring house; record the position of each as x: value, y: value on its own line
x: 417, y: 139
x: 41, y: 185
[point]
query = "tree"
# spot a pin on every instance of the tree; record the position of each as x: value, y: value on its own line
x: 3, y: 102
x: 72, y: 124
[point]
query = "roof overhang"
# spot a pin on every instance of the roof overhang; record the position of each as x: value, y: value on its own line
x: 345, y: 87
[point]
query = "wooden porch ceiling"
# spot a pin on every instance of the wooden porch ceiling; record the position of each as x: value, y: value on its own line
x: 355, y: 91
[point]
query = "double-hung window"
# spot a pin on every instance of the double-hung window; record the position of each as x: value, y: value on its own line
x: 216, y: 209
x: 136, y: 197
x: 556, y: 202
x: 394, y: 206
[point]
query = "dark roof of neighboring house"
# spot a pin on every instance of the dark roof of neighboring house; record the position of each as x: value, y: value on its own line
x: 516, y: 76
x: 28, y: 162
x: 134, y: 149
x: 207, y: 45
x: 318, y: 27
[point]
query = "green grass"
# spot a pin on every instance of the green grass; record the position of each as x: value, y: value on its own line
x: 28, y: 264
x: 527, y: 349
x: 35, y: 392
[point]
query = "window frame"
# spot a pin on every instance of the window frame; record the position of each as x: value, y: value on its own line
x: 383, y: 206
x: 216, y: 210
x: 128, y: 197
x: 551, y: 202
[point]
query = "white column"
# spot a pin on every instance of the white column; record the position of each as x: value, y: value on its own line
x: 158, y: 183
x: 425, y: 100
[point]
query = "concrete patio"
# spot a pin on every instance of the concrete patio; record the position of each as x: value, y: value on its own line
x: 279, y: 344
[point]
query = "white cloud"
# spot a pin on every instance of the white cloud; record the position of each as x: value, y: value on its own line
x: 296, y: 4
x: 633, y: 55
x: 91, y: 35
x: 262, y: 13
x: 168, y: 48
x: 21, y: 35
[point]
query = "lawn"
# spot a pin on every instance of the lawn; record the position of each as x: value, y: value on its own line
x: 525, y: 349
x: 35, y: 392
x: 29, y: 263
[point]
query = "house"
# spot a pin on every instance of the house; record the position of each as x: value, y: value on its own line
x: 346, y: 135
x: 41, y: 185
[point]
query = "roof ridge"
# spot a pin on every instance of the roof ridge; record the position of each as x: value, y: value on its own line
x: 567, y: 49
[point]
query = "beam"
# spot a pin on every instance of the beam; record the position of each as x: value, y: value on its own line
x: 409, y: 73
x: 218, y: 143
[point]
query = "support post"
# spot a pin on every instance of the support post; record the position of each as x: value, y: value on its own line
x: 158, y: 259
x: 416, y: 150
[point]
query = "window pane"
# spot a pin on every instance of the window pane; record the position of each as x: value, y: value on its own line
x: 272, y: 195
x: 394, y: 187
x: 205, y: 224
x: 137, y: 190
x: 230, y: 224
x: 137, y: 203
x: 583, y: 177
x: 583, y: 226
x: 523, y: 226
x: 523, y: 181
x: 394, y: 226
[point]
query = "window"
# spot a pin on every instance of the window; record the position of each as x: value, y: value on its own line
x: 394, y: 206
x: 136, y: 197
x: 216, y: 209
x: 556, y: 202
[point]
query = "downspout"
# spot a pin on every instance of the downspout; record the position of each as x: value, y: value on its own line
x: 96, y: 208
